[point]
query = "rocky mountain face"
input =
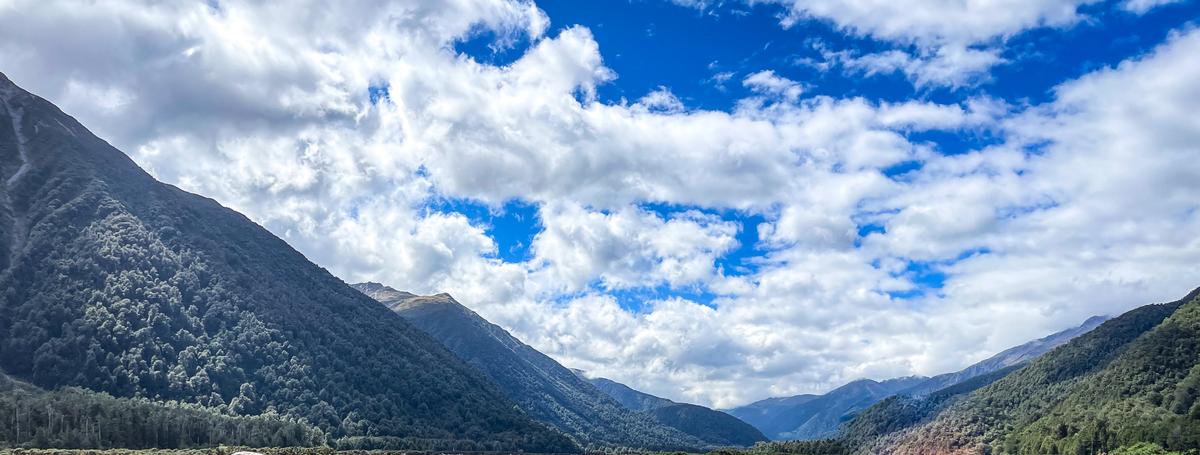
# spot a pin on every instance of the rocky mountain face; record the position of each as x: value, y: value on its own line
x: 118, y: 283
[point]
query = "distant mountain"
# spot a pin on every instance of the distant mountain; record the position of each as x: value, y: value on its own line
x: 813, y: 417
x: 1134, y: 380
x: 118, y: 283
x: 544, y: 389
x: 819, y: 416
x: 1006, y: 358
x: 628, y: 397
x: 711, y: 425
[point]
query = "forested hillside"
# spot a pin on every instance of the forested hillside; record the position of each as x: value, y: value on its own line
x: 1134, y: 379
x: 1128, y: 386
x: 541, y: 386
x: 115, y: 282
x: 627, y: 396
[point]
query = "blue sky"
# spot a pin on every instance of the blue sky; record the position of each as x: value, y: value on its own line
x: 715, y: 201
x: 652, y: 44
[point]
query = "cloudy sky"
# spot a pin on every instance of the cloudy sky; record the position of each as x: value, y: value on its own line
x: 713, y: 201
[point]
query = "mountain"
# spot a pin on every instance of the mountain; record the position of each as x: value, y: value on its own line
x: 708, y: 424
x: 627, y: 396
x: 542, y: 387
x: 819, y: 416
x: 1006, y: 358
x: 1133, y: 381
x: 115, y: 282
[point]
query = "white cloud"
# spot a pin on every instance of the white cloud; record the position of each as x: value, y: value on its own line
x: 946, y: 66
x: 946, y: 42
x: 1085, y: 207
x: 660, y: 100
x: 766, y: 82
x: 935, y: 21
x: 1143, y: 6
x: 627, y: 248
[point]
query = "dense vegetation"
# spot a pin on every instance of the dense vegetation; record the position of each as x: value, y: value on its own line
x: 77, y: 418
x: 542, y: 387
x: 115, y: 282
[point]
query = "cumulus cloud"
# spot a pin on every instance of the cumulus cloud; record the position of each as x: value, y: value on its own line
x: 766, y: 82
x: 628, y: 248
x: 1084, y: 207
x: 1142, y: 6
x: 953, y: 66
x: 943, y: 43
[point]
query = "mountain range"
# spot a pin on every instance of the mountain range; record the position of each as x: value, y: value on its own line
x: 820, y: 416
x: 554, y: 394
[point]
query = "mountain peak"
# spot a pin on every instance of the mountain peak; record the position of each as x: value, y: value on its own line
x: 7, y: 87
x: 399, y: 300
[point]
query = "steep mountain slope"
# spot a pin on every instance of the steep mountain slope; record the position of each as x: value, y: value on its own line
x: 544, y: 389
x: 1133, y: 379
x: 708, y: 424
x: 1006, y: 358
x: 118, y: 283
x: 627, y: 396
x: 820, y: 417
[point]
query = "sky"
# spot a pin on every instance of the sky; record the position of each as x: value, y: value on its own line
x: 711, y: 201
